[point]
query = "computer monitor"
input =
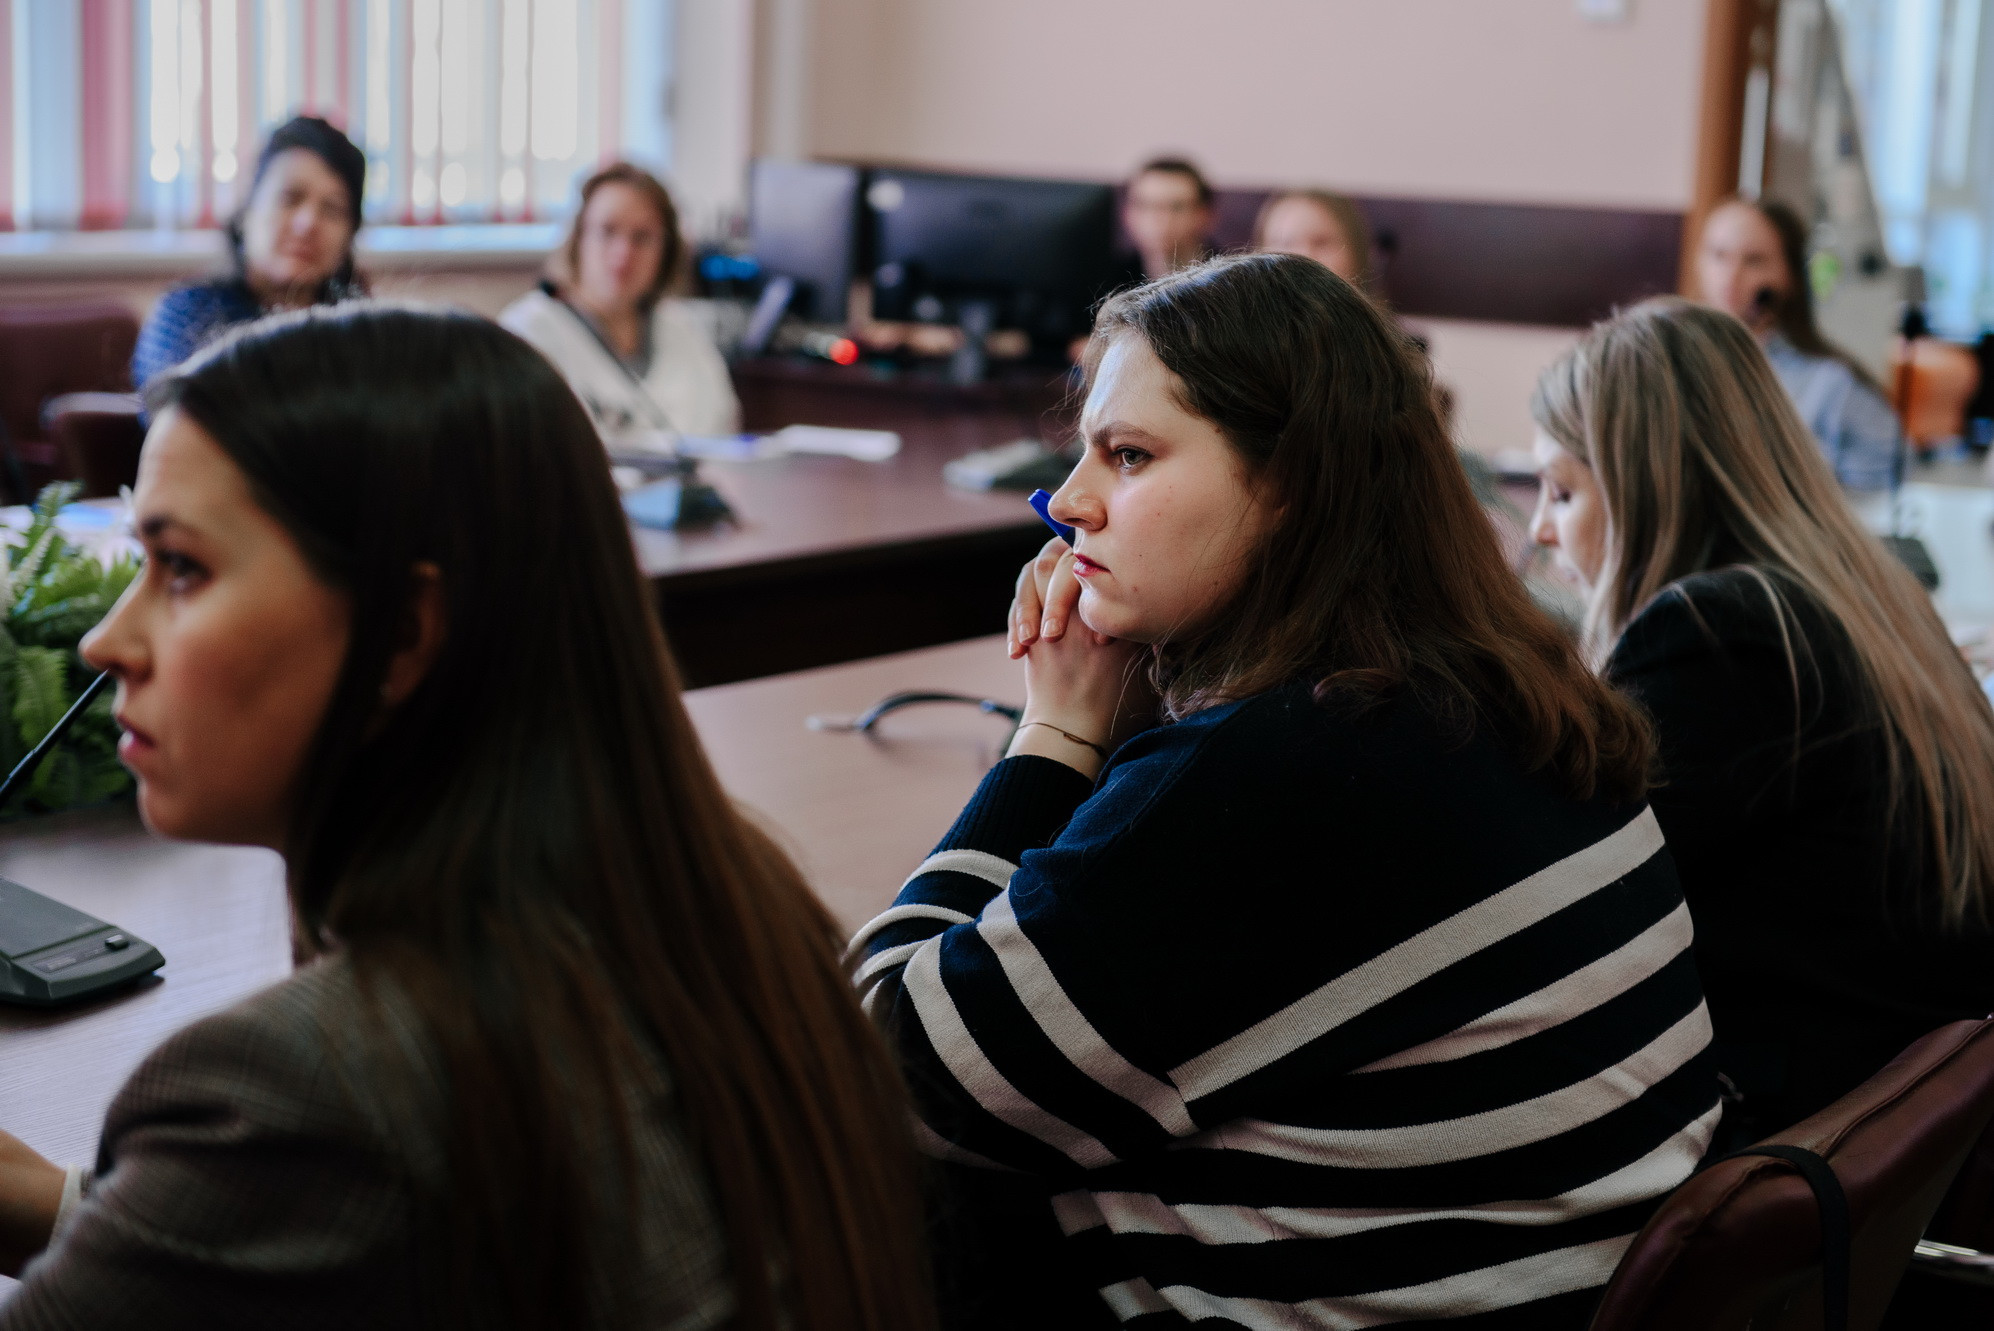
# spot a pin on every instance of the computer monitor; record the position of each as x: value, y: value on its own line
x: 1034, y: 255
x: 803, y: 224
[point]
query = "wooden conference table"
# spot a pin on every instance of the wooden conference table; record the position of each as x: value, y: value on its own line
x: 835, y: 560
x: 857, y: 813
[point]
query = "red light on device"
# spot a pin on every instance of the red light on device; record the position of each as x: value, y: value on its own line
x: 845, y: 351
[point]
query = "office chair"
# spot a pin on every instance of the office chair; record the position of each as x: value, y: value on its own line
x: 1753, y: 1243
x: 45, y: 351
x: 97, y: 438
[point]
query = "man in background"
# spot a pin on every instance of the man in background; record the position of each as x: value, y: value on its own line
x: 1168, y: 214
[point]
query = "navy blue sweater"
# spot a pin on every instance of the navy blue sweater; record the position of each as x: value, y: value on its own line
x: 187, y: 319
x: 1305, y: 1016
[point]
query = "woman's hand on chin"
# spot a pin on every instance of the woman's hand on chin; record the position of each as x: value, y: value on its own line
x: 30, y: 1193
x: 1084, y: 691
x: 1046, y: 597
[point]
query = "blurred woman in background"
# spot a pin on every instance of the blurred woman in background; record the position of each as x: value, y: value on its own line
x: 1332, y: 230
x: 574, y: 1048
x: 291, y: 245
x: 642, y: 363
x: 1752, y: 264
x: 1319, y: 225
x: 1827, y: 761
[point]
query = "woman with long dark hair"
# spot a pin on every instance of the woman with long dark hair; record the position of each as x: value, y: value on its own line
x: 1357, y: 990
x: 290, y: 246
x: 1751, y: 263
x: 575, y: 1049
x: 1827, y: 760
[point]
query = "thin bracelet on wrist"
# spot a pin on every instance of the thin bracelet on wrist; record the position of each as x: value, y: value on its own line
x: 1083, y: 743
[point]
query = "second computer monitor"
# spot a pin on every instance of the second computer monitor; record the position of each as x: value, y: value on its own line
x: 1036, y: 252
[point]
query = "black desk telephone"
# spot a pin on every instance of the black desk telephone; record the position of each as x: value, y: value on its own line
x: 49, y: 953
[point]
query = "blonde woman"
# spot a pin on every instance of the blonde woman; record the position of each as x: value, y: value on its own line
x: 1827, y: 761
x: 643, y: 363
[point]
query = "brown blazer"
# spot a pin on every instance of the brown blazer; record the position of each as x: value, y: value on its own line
x: 266, y: 1168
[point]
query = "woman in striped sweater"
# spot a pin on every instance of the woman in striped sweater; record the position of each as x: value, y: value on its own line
x: 1359, y: 991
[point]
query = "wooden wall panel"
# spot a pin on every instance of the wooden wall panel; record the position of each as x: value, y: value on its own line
x: 1501, y: 262
x: 1512, y: 263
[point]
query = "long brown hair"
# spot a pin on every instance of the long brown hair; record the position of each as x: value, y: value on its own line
x: 655, y: 194
x: 1705, y: 464
x: 534, y: 849
x: 1381, y: 572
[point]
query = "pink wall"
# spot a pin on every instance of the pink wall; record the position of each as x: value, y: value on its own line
x: 1508, y: 100
x: 1516, y: 101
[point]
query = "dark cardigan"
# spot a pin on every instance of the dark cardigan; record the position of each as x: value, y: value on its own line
x: 1818, y: 963
x: 187, y: 319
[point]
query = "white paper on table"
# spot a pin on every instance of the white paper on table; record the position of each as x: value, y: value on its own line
x: 865, y: 445
x: 729, y: 447
x: 650, y: 443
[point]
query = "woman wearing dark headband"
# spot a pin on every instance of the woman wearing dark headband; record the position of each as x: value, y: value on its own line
x: 292, y: 246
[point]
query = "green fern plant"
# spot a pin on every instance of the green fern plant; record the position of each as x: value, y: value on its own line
x: 53, y: 593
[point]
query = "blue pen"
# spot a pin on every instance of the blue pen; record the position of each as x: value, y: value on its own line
x: 1041, y: 502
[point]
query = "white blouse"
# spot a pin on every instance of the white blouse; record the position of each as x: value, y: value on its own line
x: 684, y: 391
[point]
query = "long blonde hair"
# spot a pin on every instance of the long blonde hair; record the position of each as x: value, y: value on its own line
x: 1705, y: 464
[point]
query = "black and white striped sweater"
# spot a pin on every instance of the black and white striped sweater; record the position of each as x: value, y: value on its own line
x: 1305, y: 1018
